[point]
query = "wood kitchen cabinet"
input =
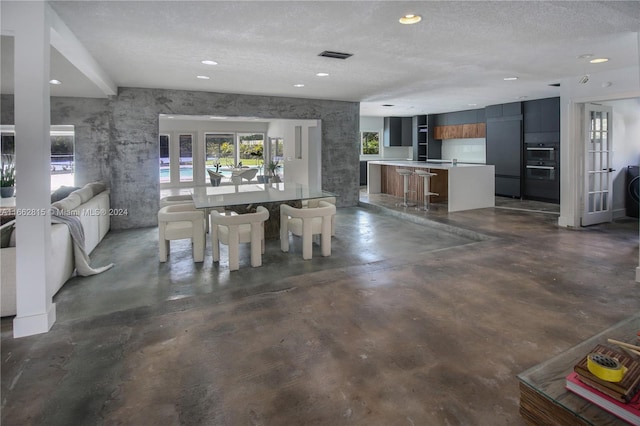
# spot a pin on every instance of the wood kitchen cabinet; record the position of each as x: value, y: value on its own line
x: 475, y: 130
x: 460, y: 131
x: 448, y: 132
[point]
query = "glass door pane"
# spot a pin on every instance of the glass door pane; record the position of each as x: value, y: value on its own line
x: 163, y: 142
x: 186, y: 158
x: 598, y: 183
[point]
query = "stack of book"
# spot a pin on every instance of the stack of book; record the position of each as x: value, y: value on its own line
x: 619, y: 398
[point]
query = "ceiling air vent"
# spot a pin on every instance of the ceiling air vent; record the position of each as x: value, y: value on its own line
x: 335, y: 55
x: 555, y: 84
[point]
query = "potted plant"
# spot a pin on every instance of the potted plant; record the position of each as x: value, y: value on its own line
x: 7, y: 176
x: 215, y: 177
x: 262, y: 178
x: 273, y: 168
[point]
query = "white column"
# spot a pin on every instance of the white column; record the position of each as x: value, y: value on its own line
x: 571, y: 158
x: 35, y: 311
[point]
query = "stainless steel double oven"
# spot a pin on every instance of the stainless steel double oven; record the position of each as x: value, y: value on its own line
x: 542, y: 167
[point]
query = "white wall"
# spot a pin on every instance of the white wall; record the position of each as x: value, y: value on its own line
x: 305, y: 170
x: 626, y: 146
x: 376, y: 124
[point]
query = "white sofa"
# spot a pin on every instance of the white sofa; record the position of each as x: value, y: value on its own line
x: 91, y: 204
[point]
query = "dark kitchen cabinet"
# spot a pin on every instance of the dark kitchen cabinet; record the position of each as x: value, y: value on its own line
x: 542, y: 115
x: 363, y: 173
x: 503, y: 110
x: 504, y: 146
x: 541, y: 177
x: 398, y: 131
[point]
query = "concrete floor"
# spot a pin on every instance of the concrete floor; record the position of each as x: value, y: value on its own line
x: 417, y: 318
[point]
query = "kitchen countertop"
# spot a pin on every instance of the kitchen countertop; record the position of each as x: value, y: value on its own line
x: 425, y: 164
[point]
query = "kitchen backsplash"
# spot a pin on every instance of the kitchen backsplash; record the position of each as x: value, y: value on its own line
x: 465, y: 150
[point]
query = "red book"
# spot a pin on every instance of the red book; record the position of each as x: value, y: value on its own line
x: 629, y: 412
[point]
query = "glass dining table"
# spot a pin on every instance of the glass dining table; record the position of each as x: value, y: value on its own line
x: 246, y: 197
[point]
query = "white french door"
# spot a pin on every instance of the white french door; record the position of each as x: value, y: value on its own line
x: 597, y: 171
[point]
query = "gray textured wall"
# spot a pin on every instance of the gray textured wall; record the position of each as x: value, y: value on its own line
x: 117, y: 139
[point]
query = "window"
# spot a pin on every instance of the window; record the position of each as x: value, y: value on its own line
x: 62, y: 158
x: 277, y: 149
x: 164, y: 158
x: 219, y: 148
x: 164, y: 150
x: 370, y: 143
x: 251, y: 149
x: 62, y: 163
x: 186, y: 157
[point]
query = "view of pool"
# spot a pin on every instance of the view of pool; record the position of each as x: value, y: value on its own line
x: 186, y: 173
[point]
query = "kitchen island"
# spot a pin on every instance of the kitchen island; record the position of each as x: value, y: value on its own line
x: 462, y: 186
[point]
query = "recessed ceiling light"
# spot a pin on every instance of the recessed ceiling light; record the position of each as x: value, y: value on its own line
x: 510, y: 78
x: 599, y: 60
x: 203, y: 77
x: 322, y: 74
x: 410, y: 19
x: 209, y: 62
x: 298, y: 85
x: 56, y: 82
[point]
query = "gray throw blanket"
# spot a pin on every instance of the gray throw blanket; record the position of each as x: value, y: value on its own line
x: 77, y: 235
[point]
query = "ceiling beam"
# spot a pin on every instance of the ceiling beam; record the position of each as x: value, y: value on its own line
x: 71, y: 48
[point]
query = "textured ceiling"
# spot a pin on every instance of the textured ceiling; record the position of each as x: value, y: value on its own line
x: 457, y: 56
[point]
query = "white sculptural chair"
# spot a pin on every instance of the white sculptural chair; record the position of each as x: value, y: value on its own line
x: 306, y: 223
x: 247, y: 174
x: 315, y: 203
x: 175, y: 199
x: 181, y: 221
x: 242, y: 228
x: 186, y: 199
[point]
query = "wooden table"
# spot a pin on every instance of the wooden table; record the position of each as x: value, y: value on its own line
x: 543, y: 397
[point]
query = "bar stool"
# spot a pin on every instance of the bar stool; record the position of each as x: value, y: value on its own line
x: 405, y: 173
x: 427, y: 177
